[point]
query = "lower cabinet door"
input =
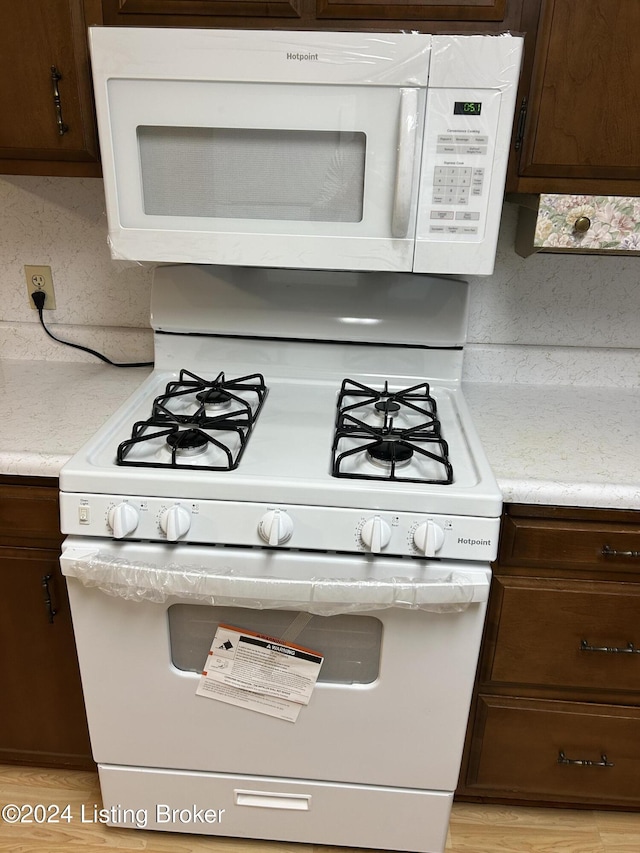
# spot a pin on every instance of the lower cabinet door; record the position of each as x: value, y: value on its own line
x: 43, y: 717
x: 556, y: 751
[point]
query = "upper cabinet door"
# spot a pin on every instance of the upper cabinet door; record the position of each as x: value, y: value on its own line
x: 47, y: 124
x: 582, y: 131
x: 314, y: 14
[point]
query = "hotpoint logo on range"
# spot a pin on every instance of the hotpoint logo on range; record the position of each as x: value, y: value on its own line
x: 462, y: 541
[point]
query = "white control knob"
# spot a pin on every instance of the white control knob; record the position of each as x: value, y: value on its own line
x: 175, y: 522
x: 122, y: 519
x: 275, y: 527
x: 375, y: 534
x: 428, y: 538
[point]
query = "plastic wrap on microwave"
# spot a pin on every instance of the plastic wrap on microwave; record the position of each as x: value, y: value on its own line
x: 141, y: 581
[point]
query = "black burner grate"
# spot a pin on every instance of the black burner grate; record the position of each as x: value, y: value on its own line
x: 192, y: 416
x: 401, y: 452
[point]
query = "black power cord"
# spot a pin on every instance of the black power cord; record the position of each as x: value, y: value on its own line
x: 39, y: 299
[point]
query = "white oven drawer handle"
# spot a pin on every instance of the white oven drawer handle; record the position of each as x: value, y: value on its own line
x: 269, y: 800
x: 407, y: 137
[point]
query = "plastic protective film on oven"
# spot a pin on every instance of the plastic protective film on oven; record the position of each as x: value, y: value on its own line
x: 443, y: 591
x: 308, y: 150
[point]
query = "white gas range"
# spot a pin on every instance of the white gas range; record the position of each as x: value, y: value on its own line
x: 302, y: 447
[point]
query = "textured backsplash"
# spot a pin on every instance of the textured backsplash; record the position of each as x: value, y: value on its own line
x: 569, y: 302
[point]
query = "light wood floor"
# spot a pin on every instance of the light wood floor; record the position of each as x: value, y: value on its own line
x: 474, y: 829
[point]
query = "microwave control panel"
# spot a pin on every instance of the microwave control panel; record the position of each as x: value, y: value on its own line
x: 460, y: 148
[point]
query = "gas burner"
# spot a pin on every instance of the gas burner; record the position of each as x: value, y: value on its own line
x: 214, y: 399
x: 386, y: 407
x: 188, y: 442
x: 388, y: 451
x: 408, y: 438
x: 197, y: 424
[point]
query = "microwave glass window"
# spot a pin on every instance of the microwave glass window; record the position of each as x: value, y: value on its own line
x: 351, y: 643
x: 240, y: 173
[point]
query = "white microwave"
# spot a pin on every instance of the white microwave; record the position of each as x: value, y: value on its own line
x: 359, y: 151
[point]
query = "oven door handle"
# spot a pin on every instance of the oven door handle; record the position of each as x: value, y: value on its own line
x: 224, y: 585
x: 407, y: 138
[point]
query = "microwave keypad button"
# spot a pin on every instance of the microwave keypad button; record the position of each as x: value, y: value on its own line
x: 442, y: 214
x: 468, y: 215
x: 453, y: 229
x: 462, y: 140
x: 481, y: 140
x: 468, y: 229
x: 451, y: 172
x: 451, y: 198
x: 476, y: 191
x: 437, y: 229
x: 438, y: 198
x: 452, y: 182
x: 439, y: 181
x: 474, y: 149
x: 478, y: 173
x: 444, y: 138
x: 446, y: 149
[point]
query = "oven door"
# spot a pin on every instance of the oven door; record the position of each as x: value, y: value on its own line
x: 391, y: 705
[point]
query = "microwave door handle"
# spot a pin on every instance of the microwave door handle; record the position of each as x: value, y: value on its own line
x: 407, y: 136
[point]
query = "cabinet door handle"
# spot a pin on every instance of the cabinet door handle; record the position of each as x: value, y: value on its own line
x: 51, y: 611
x: 584, y: 762
x: 611, y: 552
x: 629, y: 649
x: 57, y: 103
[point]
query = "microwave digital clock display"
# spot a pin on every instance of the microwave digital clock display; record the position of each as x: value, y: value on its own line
x: 467, y: 108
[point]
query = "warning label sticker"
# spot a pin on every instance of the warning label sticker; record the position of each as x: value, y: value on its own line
x: 247, y: 669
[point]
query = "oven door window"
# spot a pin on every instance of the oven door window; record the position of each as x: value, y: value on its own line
x: 249, y: 173
x: 350, y: 643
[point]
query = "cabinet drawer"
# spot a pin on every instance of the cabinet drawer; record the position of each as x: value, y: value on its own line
x: 566, y: 634
x: 518, y: 743
x: 585, y: 223
x: 573, y: 544
x: 29, y: 516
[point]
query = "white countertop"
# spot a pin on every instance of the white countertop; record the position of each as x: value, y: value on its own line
x: 547, y: 444
x: 52, y: 407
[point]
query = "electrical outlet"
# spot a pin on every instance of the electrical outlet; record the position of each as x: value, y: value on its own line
x: 40, y: 278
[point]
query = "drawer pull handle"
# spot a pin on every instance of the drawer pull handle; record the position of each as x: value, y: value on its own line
x: 629, y: 649
x: 611, y: 552
x: 584, y: 762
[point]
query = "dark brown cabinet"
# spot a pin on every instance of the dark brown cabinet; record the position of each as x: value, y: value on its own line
x: 43, y: 720
x: 47, y: 125
x: 556, y: 714
x: 580, y: 124
x: 427, y: 15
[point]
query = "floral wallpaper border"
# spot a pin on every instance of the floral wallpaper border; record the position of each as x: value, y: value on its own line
x: 615, y: 222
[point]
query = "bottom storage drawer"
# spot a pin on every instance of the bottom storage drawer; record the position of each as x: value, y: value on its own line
x: 556, y: 751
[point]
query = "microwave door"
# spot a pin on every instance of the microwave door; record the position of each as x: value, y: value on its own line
x: 272, y: 175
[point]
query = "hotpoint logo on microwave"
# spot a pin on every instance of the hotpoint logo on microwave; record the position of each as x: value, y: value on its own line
x: 303, y: 57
